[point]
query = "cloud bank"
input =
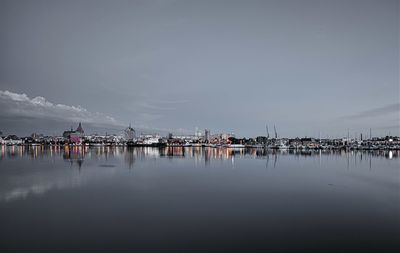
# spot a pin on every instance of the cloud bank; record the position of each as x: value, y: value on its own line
x: 375, y: 112
x: 21, y: 114
x: 15, y: 105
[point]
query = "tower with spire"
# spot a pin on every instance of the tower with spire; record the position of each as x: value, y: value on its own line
x: 130, y: 133
x: 80, y: 129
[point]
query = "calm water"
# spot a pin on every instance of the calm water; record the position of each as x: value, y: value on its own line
x: 197, y: 200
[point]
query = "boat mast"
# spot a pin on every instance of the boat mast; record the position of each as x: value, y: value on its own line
x: 266, y: 142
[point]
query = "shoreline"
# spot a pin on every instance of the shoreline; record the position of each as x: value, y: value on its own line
x: 216, y: 146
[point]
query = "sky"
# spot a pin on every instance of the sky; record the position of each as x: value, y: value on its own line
x: 309, y: 67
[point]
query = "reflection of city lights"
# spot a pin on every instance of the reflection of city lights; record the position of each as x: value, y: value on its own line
x: 77, y: 154
x: 3, y: 151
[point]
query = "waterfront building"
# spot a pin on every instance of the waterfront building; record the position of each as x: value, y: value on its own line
x: 130, y: 133
x: 148, y: 139
x: 11, y: 140
x: 226, y: 136
x: 197, y: 132
x: 261, y: 139
x: 207, y: 135
x: 74, y: 137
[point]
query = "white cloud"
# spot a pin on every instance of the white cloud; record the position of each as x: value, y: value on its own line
x: 20, y: 105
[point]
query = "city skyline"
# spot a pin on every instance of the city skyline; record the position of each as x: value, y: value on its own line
x: 271, y: 133
x: 308, y: 67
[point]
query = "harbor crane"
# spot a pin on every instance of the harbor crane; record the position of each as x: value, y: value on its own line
x: 266, y: 141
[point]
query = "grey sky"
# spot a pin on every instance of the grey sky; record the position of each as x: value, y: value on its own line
x: 306, y: 66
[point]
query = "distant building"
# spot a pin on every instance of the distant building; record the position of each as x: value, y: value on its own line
x: 130, y: 133
x: 207, y: 135
x: 11, y: 140
x: 80, y: 129
x: 226, y: 136
x: 74, y: 136
x: 197, y: 132
x: 261, y: 139
x: 307, y: 141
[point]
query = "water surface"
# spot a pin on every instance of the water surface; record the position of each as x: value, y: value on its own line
x: 197, y: 200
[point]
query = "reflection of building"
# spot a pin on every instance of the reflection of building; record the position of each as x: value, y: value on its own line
x: 130, y: 157
x: 74, y: 155
x: 74, y: 136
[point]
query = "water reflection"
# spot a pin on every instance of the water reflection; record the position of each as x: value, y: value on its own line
x: 77, y: 155
x: 118, y: 192
x: 19, y: 184
x: 74, y: 155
